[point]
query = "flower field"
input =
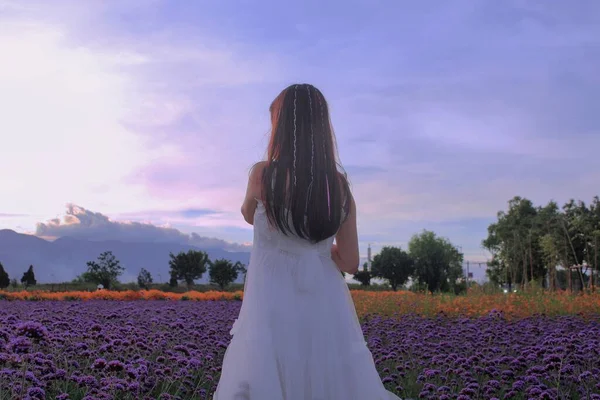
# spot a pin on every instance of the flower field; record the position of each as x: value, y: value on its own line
x: 114, y: 346
x: 371, y: 302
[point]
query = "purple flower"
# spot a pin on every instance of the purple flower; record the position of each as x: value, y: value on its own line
x: 36, y: 393
x: 33, y: 330
x: 150, y: 346
x: 99, y: 363
x: 19, y: 345
x: 585, y: 375
x: 115, y: 366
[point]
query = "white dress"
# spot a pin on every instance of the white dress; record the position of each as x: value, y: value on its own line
x: 297, y: 336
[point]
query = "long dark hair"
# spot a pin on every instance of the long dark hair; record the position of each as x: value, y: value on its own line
x: 301, y: 182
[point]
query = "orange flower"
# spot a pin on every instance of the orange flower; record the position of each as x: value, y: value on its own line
x: 512, y: 305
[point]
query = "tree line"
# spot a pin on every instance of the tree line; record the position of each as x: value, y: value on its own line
x: 183, y: 267
x: 528, y: 244
x: 537, y: 243
x: 28, y: 278
x: 431, y: 263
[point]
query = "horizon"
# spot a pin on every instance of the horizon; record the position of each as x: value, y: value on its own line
x: 117, y: 114
x: 203, y: 244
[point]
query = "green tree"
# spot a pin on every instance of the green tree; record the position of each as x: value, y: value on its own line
x: 4, y: 279
x: 594, y: 258
x: 363, y: 276
x: 173, y: 281
x: 105, y: 271
x: 188, y: 266
x: 394, y: 265
x: 529, y: 243
x: 438, y: 264
x: 83, y: 278
x: 223, y: 272
x: 514, y: 243
x: 521, y: 220
x: 495, y: 272
x: 552, y: 242
x: 144, y: 279
x: 584, y: 222
x: 28, y: 278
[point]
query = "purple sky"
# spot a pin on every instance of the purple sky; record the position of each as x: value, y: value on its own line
x: 153, y: 111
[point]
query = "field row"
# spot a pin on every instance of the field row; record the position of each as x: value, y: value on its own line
x: 382, y: 303
x: 174, y: 350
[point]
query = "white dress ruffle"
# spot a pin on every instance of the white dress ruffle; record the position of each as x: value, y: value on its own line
x: 297, y: 336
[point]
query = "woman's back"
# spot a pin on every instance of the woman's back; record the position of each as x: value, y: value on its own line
x: 297, y: 336
x: 268, y: 238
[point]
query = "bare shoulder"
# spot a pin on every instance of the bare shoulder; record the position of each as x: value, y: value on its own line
x: 259, y: 165
x: 256, y: 172
x: 255, y: 179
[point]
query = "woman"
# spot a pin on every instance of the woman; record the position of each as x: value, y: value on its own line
x: 297, y: 336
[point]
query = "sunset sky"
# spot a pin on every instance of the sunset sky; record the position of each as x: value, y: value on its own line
x: 153, y: 111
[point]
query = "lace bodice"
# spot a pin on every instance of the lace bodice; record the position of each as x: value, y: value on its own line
x: 268, y: 238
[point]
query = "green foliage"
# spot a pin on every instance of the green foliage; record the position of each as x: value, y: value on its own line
x: 84, y: 278
x: 383, y: 287
x: 188, y: 266
x: 223, y: 272
x: 460, y: 286
x: 438, y: 264
x: 529, y: 243
x: 394, y: 265
x: 363, y: 276
x: 4, y: 279
x: 514, y: 242
x: 105, y: 271
x: 144, y: 279
x: 28, y: 278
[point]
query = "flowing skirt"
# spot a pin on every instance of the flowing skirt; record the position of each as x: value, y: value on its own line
x: 297, y: 336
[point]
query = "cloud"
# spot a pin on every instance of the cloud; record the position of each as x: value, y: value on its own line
x: 155, y: 110
x: 60, y: 125
x: 115, y: 114
x: 187, y: 214
x: 81, y: 223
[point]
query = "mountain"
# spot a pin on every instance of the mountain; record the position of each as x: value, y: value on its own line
x: 66, y: 257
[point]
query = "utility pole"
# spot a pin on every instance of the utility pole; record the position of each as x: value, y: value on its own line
x: 467, y: 276
x: 467, y: 272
